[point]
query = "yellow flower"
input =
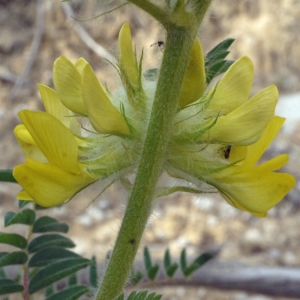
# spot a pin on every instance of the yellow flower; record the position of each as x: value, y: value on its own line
x: 89, y: 133
x: 253, y: 188
x: 220, y: 137
x: 52, y: 182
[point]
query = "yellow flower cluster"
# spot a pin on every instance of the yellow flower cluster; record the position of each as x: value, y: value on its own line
x: 88, y: 133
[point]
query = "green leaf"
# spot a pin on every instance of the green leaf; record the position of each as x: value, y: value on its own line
x: 22, y: 203
x: 221, y: 47
x: 13, y: 258
x: 50, y: 290
x: 152, y: 272
x: 56, y: 271
x: 142, y: 295
x: 26, y: 216
x: 71, y: 293
x: 49, y: 240
x: 72, y: 280
x: 135, y: 277
x: 153, y: 296
x: 46, y: 224
x: 216, y: 63
x: 198, y: 263
x: 167, y: 259
x: 8, y: 286
x: 147, y: 258
x: 2, y: 273
x: 121, y: 297
x: 214, y: 70
x: 47, y: 256
x: 169, y: 267
x: 7, y: 176
x: 183, y: 263
x: 94, y: 280
x: 13, y: 239
x: 171, y: 270
x: 132, y: 296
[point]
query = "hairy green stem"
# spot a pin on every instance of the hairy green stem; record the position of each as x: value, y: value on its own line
x: 155, y: 11
x: 177, y: 50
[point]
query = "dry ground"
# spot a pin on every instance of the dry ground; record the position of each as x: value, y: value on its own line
x: 267, y: 31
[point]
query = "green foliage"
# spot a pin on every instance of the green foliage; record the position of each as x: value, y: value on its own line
x: 47, y: 256
x: 143, y: 295
x: 13, y: 239
x: 152, y: 270
x: 13, y: 258
x: 71, y: 293
x: 7, y: 176
x: 26, y: 216
x: 47, y: 224
x: 188, y: 270
x: 8, y: 286
x: 169, y: 267
x: 49, y: 240
x: 56, y: 271
x: 216, y: 63
x: 44, y: 258
x: 94, y: 273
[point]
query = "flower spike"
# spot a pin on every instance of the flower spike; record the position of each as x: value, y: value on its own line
x: 217, y: 142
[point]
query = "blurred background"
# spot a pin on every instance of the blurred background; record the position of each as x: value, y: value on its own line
x: 34, y: 33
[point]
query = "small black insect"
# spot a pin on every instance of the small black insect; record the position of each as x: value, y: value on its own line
x: 159, y: 44
x: 132, y: 241
x: 227, y: 151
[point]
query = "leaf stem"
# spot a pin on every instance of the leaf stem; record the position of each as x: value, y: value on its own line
x: 156, y: 12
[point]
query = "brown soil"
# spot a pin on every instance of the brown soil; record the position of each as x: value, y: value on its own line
x: 267, y: 31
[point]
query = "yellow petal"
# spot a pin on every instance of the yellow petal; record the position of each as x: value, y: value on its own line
x: 194, y: 81
x: 27, y: 144
x: 47, y: 184
x: 256, y: 150
x: 245, y: 125
x: 255, y: 191
x: 24, y: 196
x: 53, y: 105
x: 104, y: 117
x: 234, y: 88
x: 55, y: 141
x: 67, y: 82
x: 273, y: 164
x: 127, y: 56
x: 80, y: 64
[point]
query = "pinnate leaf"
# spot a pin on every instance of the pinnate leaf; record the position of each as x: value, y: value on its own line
x: 13, y: 258
x: 47, y: 256
x: 26, y: 216
x: 8, y: 286
x: 47, y: 224
x: 49, y: 240
x: 56, y: 271
x: 13, y: 239
x: 71, y: 293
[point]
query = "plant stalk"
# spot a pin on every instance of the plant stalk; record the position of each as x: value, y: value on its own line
x: 178, y: 46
